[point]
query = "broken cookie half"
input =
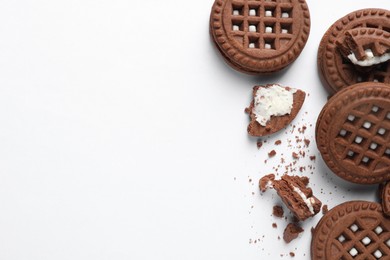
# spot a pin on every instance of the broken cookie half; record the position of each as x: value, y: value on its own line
x: 365, y: 47
x: 273, y: 107
x: 294, y: 193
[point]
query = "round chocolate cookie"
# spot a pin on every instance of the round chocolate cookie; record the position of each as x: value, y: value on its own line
x: 263, y: 36
x: 336, y: 71
x: 353, y: 230
x: 353, y: 133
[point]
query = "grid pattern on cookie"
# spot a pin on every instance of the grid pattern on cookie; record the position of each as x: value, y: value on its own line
x: 379, y: 73
x: 363, y: 239
x: 262, y: 24
x: 365, y: 137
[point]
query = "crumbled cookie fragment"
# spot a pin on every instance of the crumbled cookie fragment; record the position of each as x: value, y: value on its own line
x: 292, y: 254
x: 291, y: 232
x: 294, y: 193
x: 324, y: 209
x: 278, y: 211
x: 295, y: 155
x: 259, y: 144
x: 272, y: 153
x: 274, y: 225
x: 313, y: 158
x: 266, y: 182
x: 277, y: 142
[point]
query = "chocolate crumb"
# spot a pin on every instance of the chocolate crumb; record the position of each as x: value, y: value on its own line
x: 277, y: 142
x: 278, y: 211
x: 312, y: 158
x: 291, y: 232
x: 274, y: 225
x: 259, y: 144
x: 272, y: 153
x: 324, y: 209
x: 266, y: 181
x: 295, y: 155
x: 307, y: 142
x: 292, y: 254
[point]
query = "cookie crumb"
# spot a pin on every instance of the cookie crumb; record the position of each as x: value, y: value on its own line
x: 277, y: 142
x: 274, y: 225
x: 295, y: 155
x: 272, y: 153
x: 324, y: 209
x: 312, y: 158
x: 292, y: 254
x: 278, y: 211
x: 291, y: 232
x: 266, y: 182
x: 306, y: 141
x: 259, y: 144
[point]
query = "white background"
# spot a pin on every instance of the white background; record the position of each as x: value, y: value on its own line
x: 123, y: 136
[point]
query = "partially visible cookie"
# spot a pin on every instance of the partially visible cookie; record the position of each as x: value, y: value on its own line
x: 353, y: 133
x: 385, y: 198
x: 338, y: 72
x: 257, y: 37
x: 352, y: 230
x: 295, y: 194
x: 272, y: 108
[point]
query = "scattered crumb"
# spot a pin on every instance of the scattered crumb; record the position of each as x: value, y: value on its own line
x: 259, y: 144
x: 278, y: 211
x: 324, y: 209
x: 312, y: 158
x: 272, y: 153
x: 295, y: 155
x: 292, y: 254
x: 266, y: 182
x: 274, y: 225
x: 277, y: 142
x: 291, y: 232
x: 306, y: 141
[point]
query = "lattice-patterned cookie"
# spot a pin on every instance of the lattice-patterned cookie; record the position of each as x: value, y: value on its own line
x: 355, y: 230
x: 337, y: 71
x: 353, y: 133
x: 260, y: 36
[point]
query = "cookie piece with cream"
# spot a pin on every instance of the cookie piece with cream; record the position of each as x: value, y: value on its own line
x: 273, y: 107
x: 295, y: 195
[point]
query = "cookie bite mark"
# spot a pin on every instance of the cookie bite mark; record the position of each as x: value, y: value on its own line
x: 272, y: 108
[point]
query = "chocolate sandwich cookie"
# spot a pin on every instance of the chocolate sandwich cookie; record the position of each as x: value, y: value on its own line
x: 353, y: 133
x: 355, y: 230
x: 369, y: 29
x: 263, y: 36
x: 272, y: 108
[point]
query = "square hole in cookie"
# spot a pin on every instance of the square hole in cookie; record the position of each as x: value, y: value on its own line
x: 374, y: 146
x: 367, y: 125
x: 286, y: 28
x: 253, y: 42
x: 359, y: 139
x: 381, y: 131
x: 376, y: 109
x: 237, y: 9
x: 388, y: 116
x: 351, y: 118
x: 354, y: 228
x: 366, y: 161
x: 378, y: 78
x: 353, y: 252
x: 269, y: 27
x: 351, y: 155
x: 378, y: 254
x: 269, y: 44
x: 254, y: 10
x: 366, y: 241
x: 286, y: 12
x: 237, y: 25
x: 269, y: 11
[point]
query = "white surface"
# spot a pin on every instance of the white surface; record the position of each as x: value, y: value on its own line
x: 123, y: 134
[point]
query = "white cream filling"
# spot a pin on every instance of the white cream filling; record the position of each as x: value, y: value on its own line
x: 370, y: 60
x: 308, y: 201
x: 272, y: 101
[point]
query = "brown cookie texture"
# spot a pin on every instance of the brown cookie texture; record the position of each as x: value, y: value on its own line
x: 353, y: 133
x: 295, y: 195
x: 337, y: 72
x: 259, y: 37
x: 352, y: 230
x: 385, y: 198
x: 358, y: 40
x: 291, y: 232
x: 276, y: 123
